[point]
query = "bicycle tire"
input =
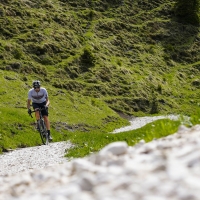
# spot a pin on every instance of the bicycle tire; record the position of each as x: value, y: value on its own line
x: 43, y: 132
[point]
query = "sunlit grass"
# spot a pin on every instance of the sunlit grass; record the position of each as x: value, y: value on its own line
x: 86, y: 143
x: 17, y: 128
x: 195, y: 118
x: 138, y: 57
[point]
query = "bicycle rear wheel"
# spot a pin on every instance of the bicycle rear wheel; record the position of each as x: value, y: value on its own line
x: 43, y: 132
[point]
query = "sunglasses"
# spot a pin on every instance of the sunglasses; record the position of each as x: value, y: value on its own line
x: 36, y: 87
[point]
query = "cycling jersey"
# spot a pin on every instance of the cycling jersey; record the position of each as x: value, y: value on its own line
x: 38, y: 97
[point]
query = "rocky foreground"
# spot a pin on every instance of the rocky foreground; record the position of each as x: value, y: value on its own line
x: 164, y: 169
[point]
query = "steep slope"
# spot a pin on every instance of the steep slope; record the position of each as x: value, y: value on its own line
x: 133, y: 55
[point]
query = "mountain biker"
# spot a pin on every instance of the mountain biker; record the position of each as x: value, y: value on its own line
x: 39, y: 97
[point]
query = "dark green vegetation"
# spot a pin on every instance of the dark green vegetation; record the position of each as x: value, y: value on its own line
x: 97, y: 59
x: 188, y: 11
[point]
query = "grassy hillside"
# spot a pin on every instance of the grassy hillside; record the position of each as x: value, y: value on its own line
x: 97, y: 59
x: 69, y: 112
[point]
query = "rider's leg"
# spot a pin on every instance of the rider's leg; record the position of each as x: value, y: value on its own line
x: 37, y: 115
x: 47, y: 123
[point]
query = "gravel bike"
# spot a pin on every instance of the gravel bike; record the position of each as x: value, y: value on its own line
x: 41, y: 127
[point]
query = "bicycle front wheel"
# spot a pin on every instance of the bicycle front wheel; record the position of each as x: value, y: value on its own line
x: 43, y: 132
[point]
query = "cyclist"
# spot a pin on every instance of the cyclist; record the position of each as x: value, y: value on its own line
x: 39, y: 97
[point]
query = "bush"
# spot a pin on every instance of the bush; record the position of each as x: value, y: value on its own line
x: 187, y: 11
x: 87, y: 58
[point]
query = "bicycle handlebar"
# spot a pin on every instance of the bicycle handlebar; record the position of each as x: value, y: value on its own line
x: 37, y: 109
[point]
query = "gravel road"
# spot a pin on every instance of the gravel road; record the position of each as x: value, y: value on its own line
x: 138, y: 122
x: 28, y: 159
x: 163, y: 169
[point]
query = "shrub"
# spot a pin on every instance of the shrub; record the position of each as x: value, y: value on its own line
x: 17, y: 53
x: 187, y: 11
x: 87, y: 58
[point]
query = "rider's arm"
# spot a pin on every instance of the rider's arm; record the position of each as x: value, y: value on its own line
x: 47, y: 102
x: 28, y: 103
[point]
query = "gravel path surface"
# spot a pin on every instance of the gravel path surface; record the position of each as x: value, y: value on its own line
x: 138, y: 122
x: 27, y: 159
x: 164, y: 169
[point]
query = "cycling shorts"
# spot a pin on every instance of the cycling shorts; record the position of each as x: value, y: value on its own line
x: 41, y: 105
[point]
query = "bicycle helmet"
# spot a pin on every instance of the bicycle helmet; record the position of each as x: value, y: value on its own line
x: 36, y: 83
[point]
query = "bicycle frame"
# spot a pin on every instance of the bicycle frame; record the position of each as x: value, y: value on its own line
x: 42, y: 127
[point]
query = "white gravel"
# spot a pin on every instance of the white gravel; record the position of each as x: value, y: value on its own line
x: 138, y: 122
x: 31, y: 158
x: 164, y: 169
x: 27, y: 159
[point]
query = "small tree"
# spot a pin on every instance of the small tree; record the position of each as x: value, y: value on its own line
x: 154, y: 104
x: 187, y: 11
x: 87, y: 58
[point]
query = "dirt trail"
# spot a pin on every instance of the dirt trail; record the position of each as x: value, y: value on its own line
x: 138, y: 122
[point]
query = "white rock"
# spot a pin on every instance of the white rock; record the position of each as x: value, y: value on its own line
x: 164, y: 169
x: 87, y: 181
x: 116, y: 148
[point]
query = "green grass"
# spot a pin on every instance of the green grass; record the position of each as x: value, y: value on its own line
x: 86, y: 143
x: 68, y: 111
x: 14, y: 131
x: 96, y: 62
x: 195, y: 118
